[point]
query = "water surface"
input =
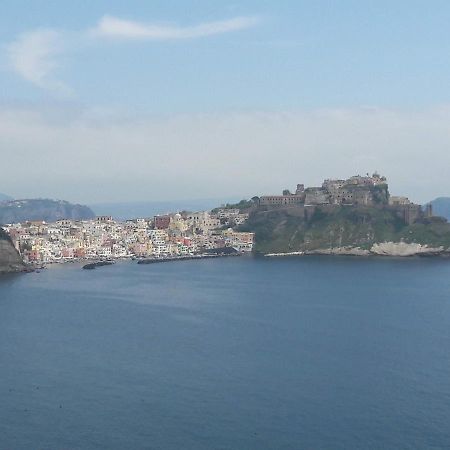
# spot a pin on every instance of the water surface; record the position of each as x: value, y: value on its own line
x: 237, y: 353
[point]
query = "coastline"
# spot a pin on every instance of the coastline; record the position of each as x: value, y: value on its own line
x: 385, y: 249
x: 278, y: 255
x: 339, y: 251
x: 99, y: 262
x: 186, y: 258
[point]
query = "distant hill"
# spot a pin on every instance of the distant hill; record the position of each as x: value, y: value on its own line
x: 4, y: 197
x: 42, y: 209
x: 132, y: 210
x: 441, y: 207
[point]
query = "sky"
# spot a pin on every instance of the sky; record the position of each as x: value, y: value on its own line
x: 114, y: 101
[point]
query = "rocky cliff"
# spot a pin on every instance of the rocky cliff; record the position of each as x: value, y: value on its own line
x: 10, y: 260
x: 346, y: 230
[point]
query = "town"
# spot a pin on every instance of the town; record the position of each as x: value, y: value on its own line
x: 163, y: 236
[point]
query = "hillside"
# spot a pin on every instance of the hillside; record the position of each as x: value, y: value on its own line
x: 10, y: 260
x: 290, y: 230
x: 42, y: 209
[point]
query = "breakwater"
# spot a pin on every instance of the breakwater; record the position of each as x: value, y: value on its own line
x: 94, y: 265
x: 186, y: 258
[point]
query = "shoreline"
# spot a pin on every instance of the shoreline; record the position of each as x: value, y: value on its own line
x: 423, y: 252
x: 362, y: 254
x: 186, y: 258
x: 91, y: 263
x: 386, y: 249
x: 278, y: 255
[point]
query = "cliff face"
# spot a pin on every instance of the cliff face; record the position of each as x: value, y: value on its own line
x: 10, y: 260
x: 346, y: 230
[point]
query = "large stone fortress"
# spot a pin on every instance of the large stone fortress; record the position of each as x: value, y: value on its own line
x: 357, y: 190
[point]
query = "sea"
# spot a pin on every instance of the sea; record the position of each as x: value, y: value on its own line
x: 228, y: 353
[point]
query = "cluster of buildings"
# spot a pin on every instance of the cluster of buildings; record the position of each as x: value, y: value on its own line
x: 161, y: 236
x: 355, y: 190
x: 368, y: 190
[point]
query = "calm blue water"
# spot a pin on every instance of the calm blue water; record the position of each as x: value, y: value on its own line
x: 238, y: 353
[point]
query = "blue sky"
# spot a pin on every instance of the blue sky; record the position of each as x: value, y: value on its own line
x: 299, y: 54
x: 138, y: 61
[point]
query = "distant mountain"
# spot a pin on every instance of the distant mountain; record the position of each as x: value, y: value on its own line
x: 132, y: 210
x: 441, y: 207
x: 42, y: 209
x: 4, y: 197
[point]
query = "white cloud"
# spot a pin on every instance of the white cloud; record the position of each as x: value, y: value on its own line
x: 33, y: 56
x: 69, y: 155
x: 113, y: 27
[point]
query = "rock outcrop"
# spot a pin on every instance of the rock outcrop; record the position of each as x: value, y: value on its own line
x: 397, y: 249
x: 405, y: 249
x: 343, y: 251
x: 10, y: 260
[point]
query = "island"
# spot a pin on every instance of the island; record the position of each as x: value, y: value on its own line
x: 35, y: 209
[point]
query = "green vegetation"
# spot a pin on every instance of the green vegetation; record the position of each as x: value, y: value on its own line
x: 289, y: 229
x: 242, y: 205
x: 380, y: 194
x: 434, y: 232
